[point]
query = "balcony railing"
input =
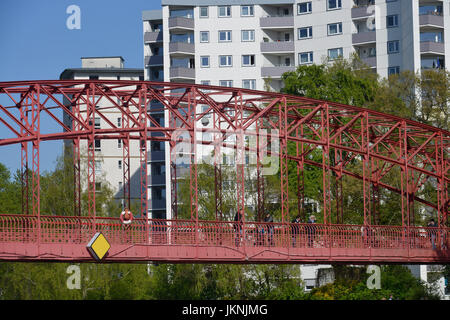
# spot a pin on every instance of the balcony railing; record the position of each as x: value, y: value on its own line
x: 431, y: 20
x: 370, y: 61
x: 181, y: 23
x: 277, y: 22
x: 154, y: 60
x: 181, y: 47
x: 279, y: 46
x: 157, y: 180
x: 182, y: 73
x: 362, y: 12
x: 276, y: 71
x: 364, y: 37
x: 156, y: 36
x: 432, y: 47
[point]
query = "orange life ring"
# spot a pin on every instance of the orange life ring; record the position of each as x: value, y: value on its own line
x: 126, y: 217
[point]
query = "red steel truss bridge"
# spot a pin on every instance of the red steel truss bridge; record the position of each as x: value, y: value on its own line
x: 344, y: 142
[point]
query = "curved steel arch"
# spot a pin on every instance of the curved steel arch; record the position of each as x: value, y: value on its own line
x: 380, y: 142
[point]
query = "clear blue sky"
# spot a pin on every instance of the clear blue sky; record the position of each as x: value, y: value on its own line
x: 35, y: 44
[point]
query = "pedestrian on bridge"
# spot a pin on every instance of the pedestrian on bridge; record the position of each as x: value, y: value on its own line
x: 238, y: 227
x: 432, y: 232
x: 295, y: 229
x: 269, y: 220
x: 311, y: 230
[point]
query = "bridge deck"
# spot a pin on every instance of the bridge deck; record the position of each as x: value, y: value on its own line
x: 23, y: 238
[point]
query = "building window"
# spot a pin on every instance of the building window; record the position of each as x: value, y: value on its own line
x: 97, y: 123
x: 224, y: 11
x: 224, y: 36
x: 304, y: 7
x: 205, y: 82
x: 120, y: 185
x: 225, y: 61
x: 334, y: 4
x: 119, y: 122
x: 204, y: 61
x: 98, y: 166
x: 119, y: 164
x: 305, y: 33
x: 247, y: 35
x: 393, y: 70
x: 97, y: 145
x: 392, y: 21
x: 203, y: 12
x: 247, y: 11
x: 248, y: 60
x: 204, y: 36
x: 393, y: 46
x: 93, y: 77
x: 305, y: 57
x: 226, y: 83
x: 119, y: 143
x: 334, y: 28
x: 334, y: 53
x: 249, y: 84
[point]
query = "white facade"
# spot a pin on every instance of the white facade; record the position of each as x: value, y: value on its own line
x: 389, y: 35
x: 207, y: 41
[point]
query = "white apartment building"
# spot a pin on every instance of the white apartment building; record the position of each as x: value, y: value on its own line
x: 108, y: 153
x: 213, y: 42
x: 251, y: 43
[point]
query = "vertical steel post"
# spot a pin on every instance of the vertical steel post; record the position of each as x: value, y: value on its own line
x: 325, y: 124
x: 76, y: 158
x: 217, y: 167
x: 300, y: 176
x: 90, y: 116
x: 126, y: 155
x: 284, y: 175
x: 143, y: 150
x: 24, y: 157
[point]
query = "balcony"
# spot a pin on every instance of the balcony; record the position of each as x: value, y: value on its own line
x: 182, y: 73
x: 432, y: 47
x: 152, y: 37
x: 181, y: 23
x: 155, y: 204
x: 362, y: 12
x: 281, y: 22
x: 364, y: 37
x: 156, y: 180
x: 432, y: 20
x: 276, y: 72
x: 370, y: 61
x: 156, y: 155
x: 278, y: 47
x: 154, y: 60
x: 181, y: 48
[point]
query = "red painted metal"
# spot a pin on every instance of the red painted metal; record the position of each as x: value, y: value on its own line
x: 65, y: 239
x: 382, y: 144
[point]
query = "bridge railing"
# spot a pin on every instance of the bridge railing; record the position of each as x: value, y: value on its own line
x: 56, y: 229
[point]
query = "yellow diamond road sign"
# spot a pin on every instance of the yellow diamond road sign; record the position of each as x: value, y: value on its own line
x: 98, y: 246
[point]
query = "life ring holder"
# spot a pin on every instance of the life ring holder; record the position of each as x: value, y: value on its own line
x: 122, y: 217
